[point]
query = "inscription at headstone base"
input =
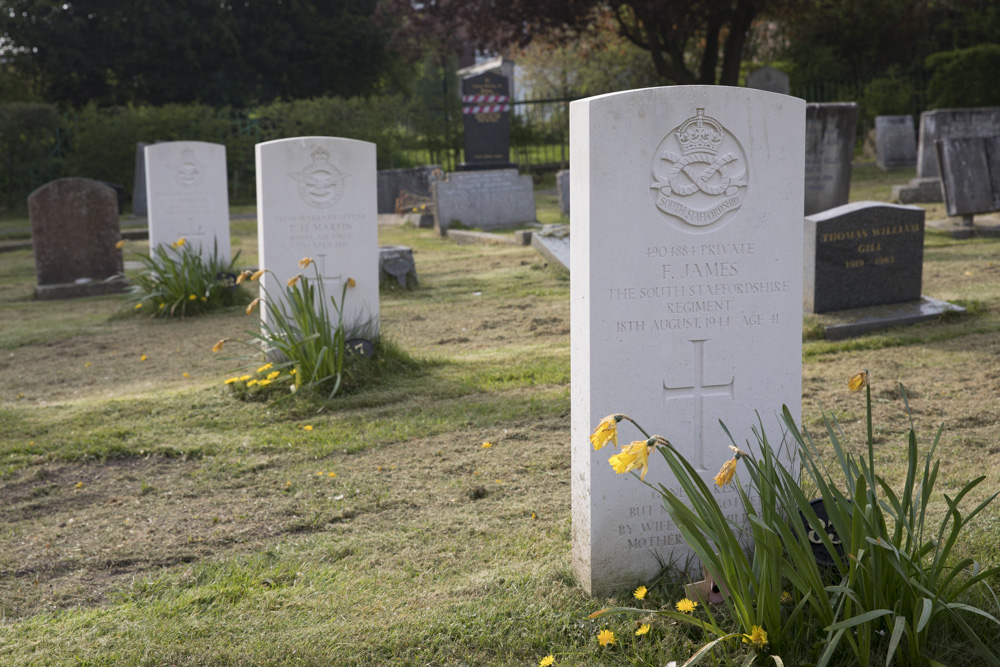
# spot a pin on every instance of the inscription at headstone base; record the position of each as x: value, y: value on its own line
x: 483, y: 199
x: 316, y: 198
x: 187, y: 196
x: 970, y: 175
x: 486, y: 108
x: 74, y: 231
x: 686, y: 256
x: 769, y: 79
x: 895, y: 142
x: 863, y: 254
x: 830, y: 132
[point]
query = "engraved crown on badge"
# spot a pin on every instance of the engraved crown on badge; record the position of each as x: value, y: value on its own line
x: 700, y: 133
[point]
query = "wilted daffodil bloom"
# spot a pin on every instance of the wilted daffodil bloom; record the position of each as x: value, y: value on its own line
x: 253, y: 304
x: 858, y: 381
x: 218, y: 346
x: 606, y: 430
x: 635, y: 455
x: 305, y: 262
x: 179, y: 242
x: 294, y: 279
x: 257, y: 274
x: 351, y: 282
x: 246, y: 273
x: 728, y: 470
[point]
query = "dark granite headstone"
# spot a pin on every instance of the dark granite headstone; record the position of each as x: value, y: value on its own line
x: 562, y: 182
x: 970, y: 174
x: 830, y: 130
x: 863, y: 254
x: 139, y: 180
x: 74, y: 229
x: 486, y: 119
x: 770, y: 79
x: 895, y: 142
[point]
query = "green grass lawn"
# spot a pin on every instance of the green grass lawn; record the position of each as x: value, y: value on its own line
x: 149, y: 517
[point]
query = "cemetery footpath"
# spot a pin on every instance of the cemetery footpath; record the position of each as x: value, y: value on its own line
x: 149, y: 516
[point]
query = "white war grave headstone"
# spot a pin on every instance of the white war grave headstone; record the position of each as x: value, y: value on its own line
x: 317, y: 198
x: 686, y: 309
x: 187, y: 195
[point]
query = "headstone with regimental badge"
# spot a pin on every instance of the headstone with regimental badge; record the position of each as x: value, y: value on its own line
x: 316, y: 198
x: 187, y: 196
x: 74, y: 231
x: 686, y: 255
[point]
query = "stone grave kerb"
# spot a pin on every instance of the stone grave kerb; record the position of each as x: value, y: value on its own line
x: 686, y: 279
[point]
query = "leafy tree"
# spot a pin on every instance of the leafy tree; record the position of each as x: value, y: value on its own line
x: 688, y: 41
x: 217, y: 53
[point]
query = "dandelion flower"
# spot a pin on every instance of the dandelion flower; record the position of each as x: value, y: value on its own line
x: 232, y: 380
x: 86, y: 364
x: 487, y: 445
x: 162, y: 306
x: 186, y: 374
x: 305, y: 262
x: 686, y: 606
x: 294, y: 279
x: 635, y: 455
x: 179, y: 242
x: 606, y: 430
x: 606, y: 637
x: 273, y: 374
x: 757, y: 637
x: 203, y: 298
x: 726, y: 473
x: 244, y: 378
x: 142, y: 358
x: 858, y: 381
x: 120, y: 244
x: 138, y: 306
x: 331, y: 474
x: 257, y: 274
x: 643, y: 629
x: 307, y: 427
x: 253, y: 304
x: 546, y: 661
x: 292, y: 372
x: 218, y: 346
x: 251, y: 383
x: 192, y: 297
x: 640, y: 593
x: 263, y: 383
x: 351, y: 282
x: 79, y: 485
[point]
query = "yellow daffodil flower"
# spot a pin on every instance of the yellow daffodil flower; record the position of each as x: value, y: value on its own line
x: 686, y: 606
x: 633, y: 456
x: 606, y: 637
x: 727, y: 472
x: 858, y: 381
x: 606, y: 430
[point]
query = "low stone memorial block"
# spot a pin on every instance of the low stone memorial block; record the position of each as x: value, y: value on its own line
x: 686, y: 309
x: 562, y: 182
x: 951, y: 124
x: 970, y: 174
x: 139, y: 181
x: 316, y: 198
x: 830, y: 131
x: 483, y: 199
x: 863, y: 254
x: 895, y: 142
x: 391, y: 182
x: 769, y: 79
x: 395, y: 262
x: 187, y: 195
x: 486, y: 121
x: 74, y: 231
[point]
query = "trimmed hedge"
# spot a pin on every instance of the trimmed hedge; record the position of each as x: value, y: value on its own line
x: 964, y: 78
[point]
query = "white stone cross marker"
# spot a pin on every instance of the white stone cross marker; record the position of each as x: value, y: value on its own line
x: 187, y: 195
x: 686, y: 273
x: 316, y: 197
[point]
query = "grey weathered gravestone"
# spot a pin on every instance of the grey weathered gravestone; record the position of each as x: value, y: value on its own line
x: 391, y: 182
x: 685, y: 291
x: 74, y: 230
x: 895, y: 141
x: 970, y: 174
x: 187, y: 196
x: 769, y: 79
x: 139, y: 180
x: 486, y: 121
x: 830, y: 131
x: 952, y: 124
x: 562, y: 183
x: 395, y: 262
x: 316, y: 199
x: 863, y: 254
x: 483, y: 199
x: 552, y: 243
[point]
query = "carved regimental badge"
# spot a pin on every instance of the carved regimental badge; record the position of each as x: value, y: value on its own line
x: 321, y: 185
x: 699, y: 174
x: 188, y: 171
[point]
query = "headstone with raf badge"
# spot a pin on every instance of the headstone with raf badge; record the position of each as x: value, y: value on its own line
x: 75, y: 232
x: 685, y: 290
x: 316, y: 198
x: 187, y: 196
